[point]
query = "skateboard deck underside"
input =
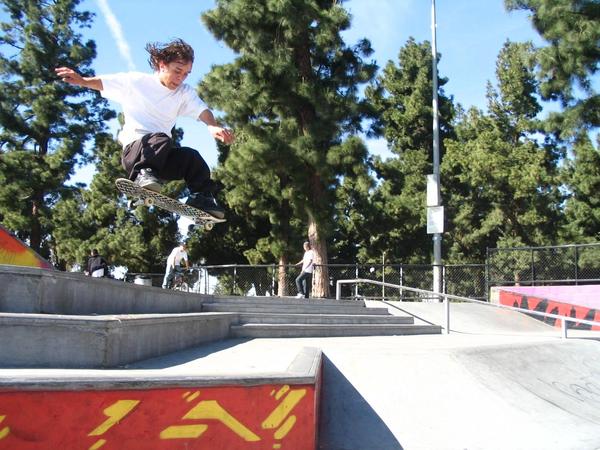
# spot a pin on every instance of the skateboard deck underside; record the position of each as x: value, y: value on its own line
x: 151, y: 198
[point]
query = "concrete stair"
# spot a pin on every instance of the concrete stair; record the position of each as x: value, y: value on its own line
x: 56, y: 319
x: 283, y: 308
x: 323, y: 319
x: 294, y: 330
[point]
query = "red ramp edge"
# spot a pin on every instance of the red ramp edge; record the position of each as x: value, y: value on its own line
x: 133, y: 411
x: 14, y: 252
x: 539, y: 298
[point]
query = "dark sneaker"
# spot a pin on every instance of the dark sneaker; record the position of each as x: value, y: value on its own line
x: 148, y: 180
x: 207, y: 203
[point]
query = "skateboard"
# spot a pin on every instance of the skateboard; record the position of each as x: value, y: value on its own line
x: 151, y: 198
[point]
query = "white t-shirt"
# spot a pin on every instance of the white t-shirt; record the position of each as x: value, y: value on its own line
x: 307, y: 261
x: 148, y: 106
x: 177, y: 255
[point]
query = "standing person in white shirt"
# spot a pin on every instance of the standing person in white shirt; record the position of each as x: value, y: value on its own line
x: 177, y: 255
x: 304, y: 280
x: 151, y: 104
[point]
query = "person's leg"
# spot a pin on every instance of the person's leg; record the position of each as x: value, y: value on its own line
x: 302, y: 284
x: 185, y: 163
x: 299, y: 284
x: 150, y: 152
x: 168, y: 277
x: 308, y: 282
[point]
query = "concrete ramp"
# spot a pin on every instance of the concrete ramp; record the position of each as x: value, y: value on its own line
x: 456, y: 394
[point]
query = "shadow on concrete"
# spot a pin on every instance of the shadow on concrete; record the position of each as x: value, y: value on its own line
x: 187, y: 355
x: 347, y: 421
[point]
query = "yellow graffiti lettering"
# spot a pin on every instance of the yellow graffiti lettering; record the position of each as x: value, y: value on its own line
x: 115, y: 413
x: 282, y: 391
x: 210, y: 409
x: 99, y: 443
x: 4, y: 431
x: 285, y: 428
x: 183, y: 431
x: 189, y: 397
x: 282, y: 410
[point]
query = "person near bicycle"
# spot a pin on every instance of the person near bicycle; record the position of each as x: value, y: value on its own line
x: 96, y: 265
x: 174, y: 263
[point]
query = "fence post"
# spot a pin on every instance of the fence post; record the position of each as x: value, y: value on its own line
x: 234, y: 279
x: 205, y: 280
x: 576, y: 266
x: 273, y: 281
x: 401, y: 282
x: 444, y: 287
x: 532, y: 268
x: 447, y: 313
x: 356, y: 284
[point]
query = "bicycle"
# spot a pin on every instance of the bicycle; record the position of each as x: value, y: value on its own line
x: 181, y: 281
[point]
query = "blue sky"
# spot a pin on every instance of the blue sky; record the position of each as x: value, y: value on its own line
x: 469, y: 35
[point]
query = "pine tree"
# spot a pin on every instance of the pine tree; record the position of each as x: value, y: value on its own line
x: 45, y: 124
x: 402, y: 98
x: 581, y: 178
x: 292, y: 95
x: 502, y: 186
x: 568, y: 63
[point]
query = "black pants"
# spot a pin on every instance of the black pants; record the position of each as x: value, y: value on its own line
x: 156, y: 151
x: 304, y: 283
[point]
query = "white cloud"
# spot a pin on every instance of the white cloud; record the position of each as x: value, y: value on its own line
x: 117, y: 32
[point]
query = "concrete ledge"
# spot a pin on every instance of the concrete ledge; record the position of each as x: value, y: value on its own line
x: 126, y: 409
x: 304, y: 369
x: 38, y: 340
x: 37, y: 291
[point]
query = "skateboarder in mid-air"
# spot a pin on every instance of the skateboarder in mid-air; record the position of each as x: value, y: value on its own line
x: 151, y: 104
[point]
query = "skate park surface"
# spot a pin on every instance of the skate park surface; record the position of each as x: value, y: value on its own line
x: 499, y: 380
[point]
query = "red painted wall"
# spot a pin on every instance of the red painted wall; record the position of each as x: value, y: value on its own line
x: 211, y: 418
x: 551, y: 306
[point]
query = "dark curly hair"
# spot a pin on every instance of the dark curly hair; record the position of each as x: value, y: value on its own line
x: 176, y: 50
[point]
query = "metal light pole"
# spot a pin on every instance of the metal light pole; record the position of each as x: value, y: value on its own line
x: 437, y: 235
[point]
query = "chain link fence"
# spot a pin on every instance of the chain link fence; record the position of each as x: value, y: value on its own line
x: 535, y: 266
x: 567, y: 264
x: 274, y: 280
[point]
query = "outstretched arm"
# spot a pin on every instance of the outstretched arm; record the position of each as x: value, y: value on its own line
x: 70, y: 76
x: 222, y: 134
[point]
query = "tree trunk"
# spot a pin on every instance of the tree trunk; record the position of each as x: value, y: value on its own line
x: 282, y: 285
x: 35, y: 236
x: 320, y: 283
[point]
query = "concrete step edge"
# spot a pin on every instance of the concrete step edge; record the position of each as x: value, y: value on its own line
x: 323, y: 318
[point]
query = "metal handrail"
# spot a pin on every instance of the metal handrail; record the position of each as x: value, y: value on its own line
x: 563, y: 319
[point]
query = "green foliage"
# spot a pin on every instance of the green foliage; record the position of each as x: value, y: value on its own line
x: 569, y: 62
x: 44, y: 123
x: 581, y: 177
x: 500, y: 182
x: 401, y: 97
x: 292, y: 96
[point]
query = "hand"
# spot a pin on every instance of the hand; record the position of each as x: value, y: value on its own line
x: 222, y: 134
x: 69, y: 76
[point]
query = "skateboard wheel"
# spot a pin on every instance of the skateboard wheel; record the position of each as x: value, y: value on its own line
x: 208, y: 226
x: 148, y: 201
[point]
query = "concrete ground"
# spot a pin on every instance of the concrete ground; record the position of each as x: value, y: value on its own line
x: 501, y: 380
